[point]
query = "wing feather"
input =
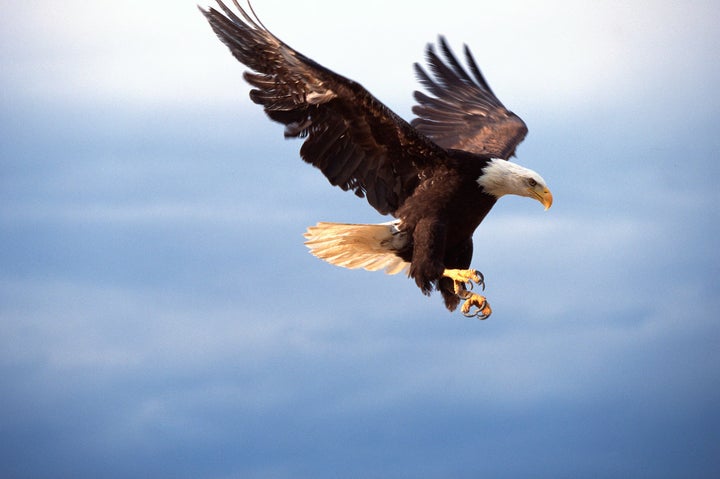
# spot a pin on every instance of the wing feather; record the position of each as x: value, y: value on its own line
x: 356, y: 141
x: 464, y: 113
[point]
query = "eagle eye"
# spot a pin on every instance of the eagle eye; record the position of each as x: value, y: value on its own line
x: 532, y: 182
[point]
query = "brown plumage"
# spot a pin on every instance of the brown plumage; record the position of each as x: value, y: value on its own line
x: 464, y: 114
x: 426, y: 174
x: 356, y: 141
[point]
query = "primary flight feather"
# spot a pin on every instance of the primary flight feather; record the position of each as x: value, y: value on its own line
x: 438, y: 176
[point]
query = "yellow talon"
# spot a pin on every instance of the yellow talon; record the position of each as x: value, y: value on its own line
x: 465, y: 277
x: 463, y: 281
x: 476, y: 301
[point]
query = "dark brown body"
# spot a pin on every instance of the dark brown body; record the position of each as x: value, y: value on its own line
x: 441, y: 217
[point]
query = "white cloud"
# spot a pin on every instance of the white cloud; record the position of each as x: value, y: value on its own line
x: 559, y: 53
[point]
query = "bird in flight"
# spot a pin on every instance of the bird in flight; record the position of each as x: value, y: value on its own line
x: 438, y: 176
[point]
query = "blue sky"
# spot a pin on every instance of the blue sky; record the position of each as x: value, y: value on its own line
x: 160, y: 316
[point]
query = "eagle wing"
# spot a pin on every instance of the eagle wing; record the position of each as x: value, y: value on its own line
x: 356, y: 141
x: 464, y: 114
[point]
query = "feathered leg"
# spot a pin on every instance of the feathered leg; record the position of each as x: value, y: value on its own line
x: 428, y: 253
x: 457, y: 280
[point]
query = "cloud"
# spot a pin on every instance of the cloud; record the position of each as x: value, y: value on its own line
x: 178, y: 371
x: 162, y: 318
x: 159, y: 53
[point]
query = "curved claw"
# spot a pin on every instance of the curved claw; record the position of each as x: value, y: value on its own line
x: 476, y: 306
x: 465, y: 279
x: 476, y: 314
x: 481, y: 280
x: 476, y: 277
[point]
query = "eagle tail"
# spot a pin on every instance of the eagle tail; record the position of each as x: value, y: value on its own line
x: 368, y: 246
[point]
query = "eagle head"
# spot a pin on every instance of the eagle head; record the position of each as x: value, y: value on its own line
x: 502, y: 177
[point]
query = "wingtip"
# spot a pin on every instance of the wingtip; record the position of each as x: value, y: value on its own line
x: 204, y: 10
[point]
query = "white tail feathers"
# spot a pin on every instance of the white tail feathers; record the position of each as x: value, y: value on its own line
x: 371, y: 247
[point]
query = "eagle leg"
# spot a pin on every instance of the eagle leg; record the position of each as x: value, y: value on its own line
x: 465, y: 278
x: 463, y: 281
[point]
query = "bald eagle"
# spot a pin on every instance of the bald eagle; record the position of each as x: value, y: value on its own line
x: 438, y: 176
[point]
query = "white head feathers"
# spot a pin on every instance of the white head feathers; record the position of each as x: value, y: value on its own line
x: 502, y: 177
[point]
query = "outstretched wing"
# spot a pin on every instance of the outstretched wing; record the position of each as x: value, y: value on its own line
x: 464, y: 114
x: 357, y: 142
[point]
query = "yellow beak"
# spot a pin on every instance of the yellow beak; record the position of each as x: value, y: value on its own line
x: 543, y: 196
x: 546, y: 199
